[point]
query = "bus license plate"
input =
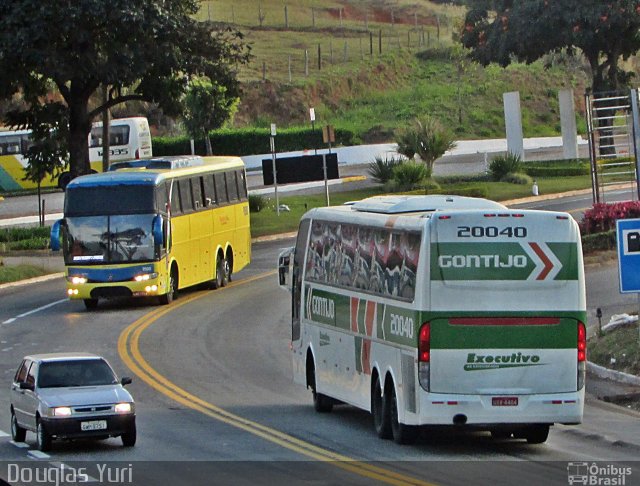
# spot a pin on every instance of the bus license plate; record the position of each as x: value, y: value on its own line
x: 504, y: 401
x: 93, y: 425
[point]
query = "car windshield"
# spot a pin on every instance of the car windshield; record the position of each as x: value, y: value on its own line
x: 92, y: 372
x: 109, y: 239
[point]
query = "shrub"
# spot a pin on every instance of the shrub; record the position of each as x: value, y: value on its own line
x: 599, y: 241
x: 381, y: 170
x: 19, y: 234
x: 410, y: 175
x: 602, y: 217
x: 517, y: 178
x: 502, y: 165
x: 257, y: 202
x: 430, y: 186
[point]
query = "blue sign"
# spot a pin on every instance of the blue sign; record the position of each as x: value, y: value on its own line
x: 628, y: 232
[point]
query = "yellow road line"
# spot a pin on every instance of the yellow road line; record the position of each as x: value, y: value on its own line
x: 128, y: 348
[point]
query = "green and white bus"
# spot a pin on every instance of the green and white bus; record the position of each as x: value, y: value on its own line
x: 435, y: 310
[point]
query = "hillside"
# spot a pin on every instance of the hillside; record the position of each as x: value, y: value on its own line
x: 373, y: 65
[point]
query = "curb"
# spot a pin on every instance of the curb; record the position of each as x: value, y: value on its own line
x: 44, y: 278
x: 608, y: 374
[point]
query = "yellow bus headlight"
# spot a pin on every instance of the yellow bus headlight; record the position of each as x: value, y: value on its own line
x: 145, y: 276
x: 76, y: 279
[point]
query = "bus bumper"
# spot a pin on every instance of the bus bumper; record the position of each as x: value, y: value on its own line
x: 95, y: 289
x: 479, y: 410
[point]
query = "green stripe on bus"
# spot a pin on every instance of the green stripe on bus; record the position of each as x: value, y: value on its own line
x: 559, y: 336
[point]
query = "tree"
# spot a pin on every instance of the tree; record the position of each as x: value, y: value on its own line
x: 425, y: 138
x: 138, y: 50
x: 502, y: 31
x: 207, y: 107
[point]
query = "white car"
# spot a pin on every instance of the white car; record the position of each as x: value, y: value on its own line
x: 70, y: 396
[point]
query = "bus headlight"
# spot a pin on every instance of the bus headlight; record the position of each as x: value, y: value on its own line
x: 145, y: 276
x: 77, y: 279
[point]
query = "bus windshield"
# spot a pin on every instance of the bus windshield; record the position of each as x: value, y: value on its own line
x: 109, y: 239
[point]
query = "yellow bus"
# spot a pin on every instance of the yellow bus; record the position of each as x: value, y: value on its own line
x: 154, y: 229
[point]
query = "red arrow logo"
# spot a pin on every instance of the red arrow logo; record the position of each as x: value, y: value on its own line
x: 548, y: 265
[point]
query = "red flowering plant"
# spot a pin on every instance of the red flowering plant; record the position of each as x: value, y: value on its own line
x: 602, y: 217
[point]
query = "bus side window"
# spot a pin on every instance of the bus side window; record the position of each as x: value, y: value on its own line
x: 209, y: 189
x: 176, y: 209
x: 221, y: 188
x: 232, y: 185
x: 186, y: 199
x: 242, y: 184
x: 196, y: 189
x: 161, y: 198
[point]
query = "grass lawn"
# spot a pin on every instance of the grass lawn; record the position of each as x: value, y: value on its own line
x: 618, y: 349
x: 266, y: 222
x: 20, y: 272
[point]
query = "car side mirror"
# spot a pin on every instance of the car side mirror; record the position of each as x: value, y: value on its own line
x: 126, y: 380
x: 26, y: 386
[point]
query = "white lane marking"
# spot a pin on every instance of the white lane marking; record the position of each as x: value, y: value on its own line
x: 25, y: 314
x: 38, y: 455
x: 3, y: 434
x: 20, y: 445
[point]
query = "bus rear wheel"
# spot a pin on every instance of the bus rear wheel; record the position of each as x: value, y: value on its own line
x: 380, y: 411
x: 402, y: 434
x: 536, y: 434
x: 222, y: 275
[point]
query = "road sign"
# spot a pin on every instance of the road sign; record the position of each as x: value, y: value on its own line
x: 628, y: 233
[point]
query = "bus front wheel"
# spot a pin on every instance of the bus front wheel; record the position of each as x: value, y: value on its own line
x: 91, y: 304
x: 172, y: 288
x: 321, y: 403
x: 380, y: 411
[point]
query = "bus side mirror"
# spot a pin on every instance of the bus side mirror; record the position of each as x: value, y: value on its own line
x: 156, y: 230
x: 55, y: 236
x: 285, y: 262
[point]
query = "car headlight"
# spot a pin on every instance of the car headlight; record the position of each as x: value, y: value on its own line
x: 77, y: 279
x: 145, y: 276
x: 62, y: 412
x: 123, y: 408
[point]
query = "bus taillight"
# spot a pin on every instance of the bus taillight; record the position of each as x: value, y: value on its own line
x: 424, y: 347
x: 424, y: 356
x: 582, y: 354
x: 582, y: 342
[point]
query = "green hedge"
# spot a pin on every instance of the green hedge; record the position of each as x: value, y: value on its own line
x: 250, y: 141
x: 599, y: 241
x: 20, y: 234
x: 557, y: 168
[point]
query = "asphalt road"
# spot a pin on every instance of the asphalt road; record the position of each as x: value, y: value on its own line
x: 215, y: 399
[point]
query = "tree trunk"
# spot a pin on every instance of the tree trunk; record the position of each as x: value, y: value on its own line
x: 207, y: 142
x: 79, y: 128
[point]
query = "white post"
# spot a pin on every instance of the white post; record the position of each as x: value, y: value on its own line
x: 568, y: 124
x: 513, y: 123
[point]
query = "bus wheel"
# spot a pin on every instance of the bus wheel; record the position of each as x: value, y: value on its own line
x: 228, y: 266
x: 91, y: 304
x: 380, y: 412
x: 402, y: 434
x: 536, y: 434
x: 321, y: 403
x: 172, y: 288
x: 221, y: 273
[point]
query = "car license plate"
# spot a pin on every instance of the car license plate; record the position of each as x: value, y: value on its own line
x: 93, y: 425
x: 504, y: 401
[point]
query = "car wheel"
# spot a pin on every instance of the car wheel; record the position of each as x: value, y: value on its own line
x: 43, y: 439
x: 18, y: 434
x: 402, y: 434
x: 129, y: 438
x: 380, y: 411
